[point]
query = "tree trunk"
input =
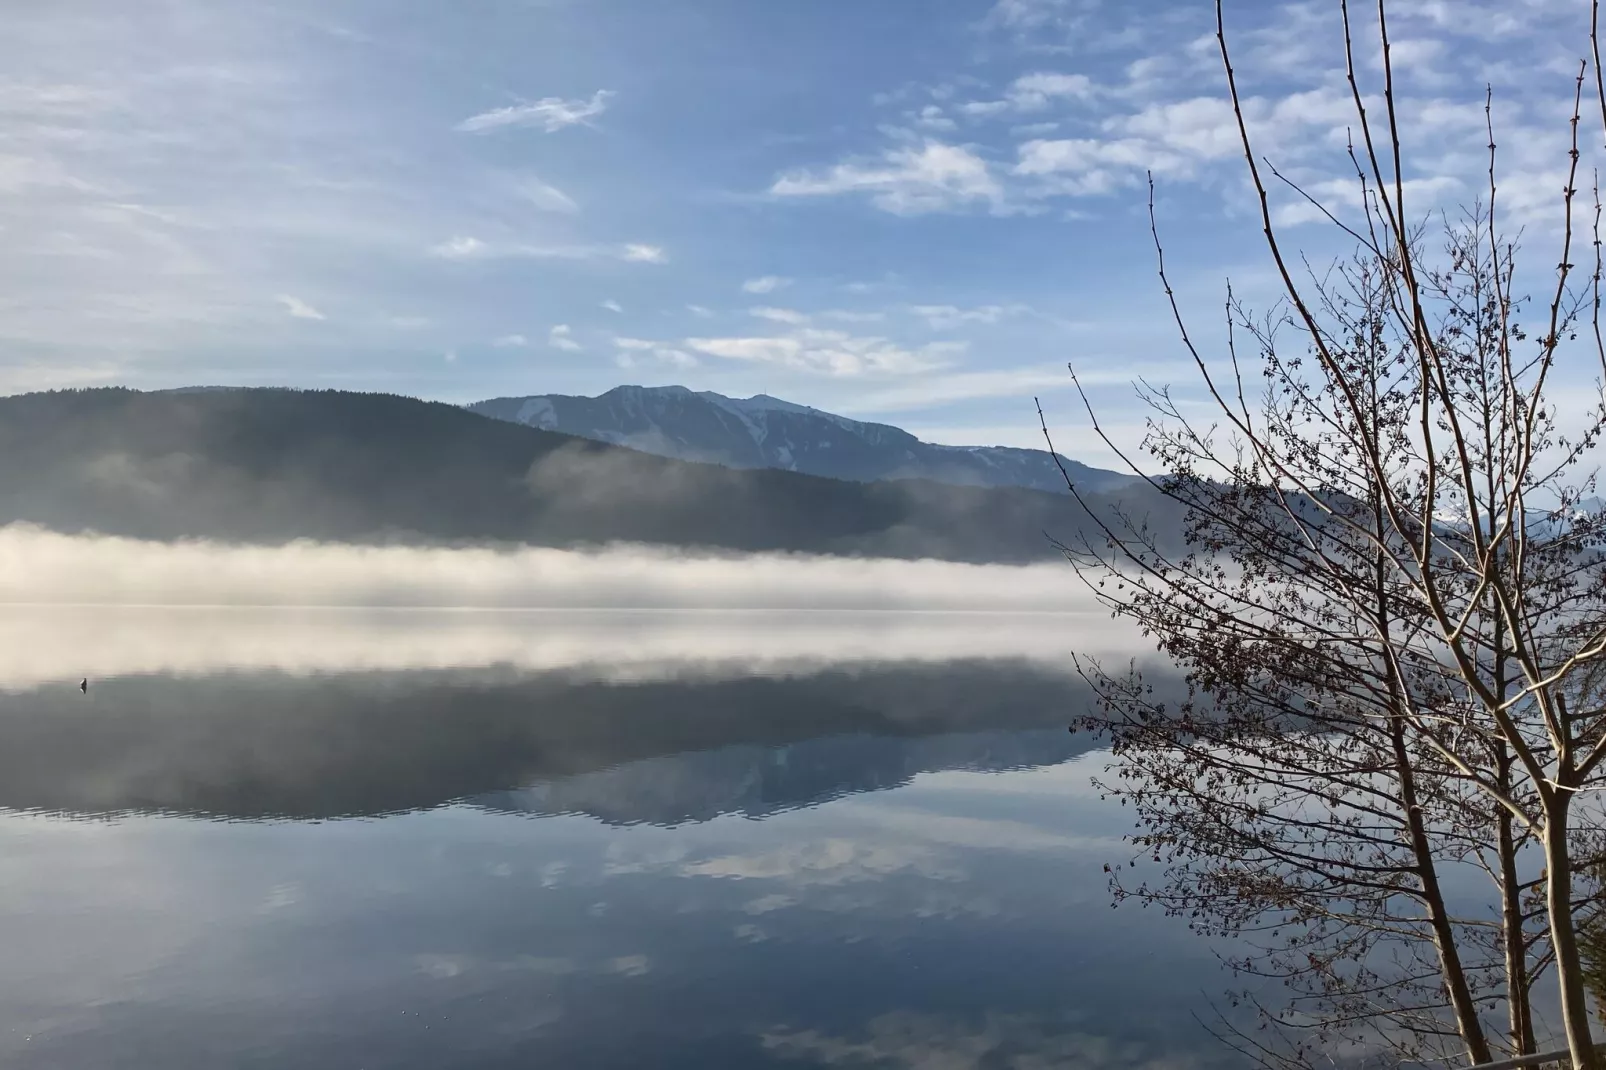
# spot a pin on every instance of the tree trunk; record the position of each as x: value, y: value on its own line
x: 1563, y: 935
x: 1462, y: 1004
x: 1519, y: 1005
x: 1519, y: 985
x: 1465, y: 1008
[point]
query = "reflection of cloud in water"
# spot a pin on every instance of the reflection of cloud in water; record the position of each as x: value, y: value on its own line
x: 911, y: 1039
x: 40, y: 644
x: 836, y: 860
x: 974, y: 833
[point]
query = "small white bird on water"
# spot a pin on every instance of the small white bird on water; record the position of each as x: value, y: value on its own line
x: 83, y: 685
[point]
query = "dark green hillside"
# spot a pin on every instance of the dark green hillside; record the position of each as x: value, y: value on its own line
x: 272, y: 465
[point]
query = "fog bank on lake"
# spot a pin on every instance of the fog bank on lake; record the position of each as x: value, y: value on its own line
x: 38, y: 566
x: 40, y: 644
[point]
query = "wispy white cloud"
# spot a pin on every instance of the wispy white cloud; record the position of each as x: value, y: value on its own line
x: 962, y: 386
x: 545, y: 197
x: 1145, y: 95
x: 700, y: 312
x: 1029, y: 14
x: 560, y: 337
x: 461, y: 247
x: 1093, y: 166
x: 1021, y: 382
x: 1204, y: 128
x: 1180, y: 140
x: 611, y: 305
x: 511, y: 341
x: 831, y: 352
x: 467, y: 247
x: 632, y: 352
x: 645, y: 254
x: 298, y: 308
x: 906, y: 180
x: 945, y: 317
x: 765, y: 284
x: 1033, y: 93
x: 982, y: 109
x: 1338, y: 195
x: 677, y: 357
x: 549, y: 113
x: 779, y: 315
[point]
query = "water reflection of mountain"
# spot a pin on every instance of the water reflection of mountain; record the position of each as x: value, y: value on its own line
x: 758, y: 781
x: 270, y: 746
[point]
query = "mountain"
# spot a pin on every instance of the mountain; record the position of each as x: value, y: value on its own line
x: 766, y: 432
x: 274, y: 465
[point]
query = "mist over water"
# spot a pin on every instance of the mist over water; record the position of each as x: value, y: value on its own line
x: 38, y: 566
x: 337, y: 805
x: 75, y: 606
x: 40, y: 644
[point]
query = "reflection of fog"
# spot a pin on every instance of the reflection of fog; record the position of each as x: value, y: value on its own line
x: 41, y: 644
x: 664, y: 751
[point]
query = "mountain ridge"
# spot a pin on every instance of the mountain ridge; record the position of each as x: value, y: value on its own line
x: 273, y: 465
x: 768, y: 432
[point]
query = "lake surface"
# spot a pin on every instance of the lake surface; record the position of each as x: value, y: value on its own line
x: 609, y: 839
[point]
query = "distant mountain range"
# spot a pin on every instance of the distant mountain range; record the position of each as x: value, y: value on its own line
x: 766, y: 432
x: 273, y: 465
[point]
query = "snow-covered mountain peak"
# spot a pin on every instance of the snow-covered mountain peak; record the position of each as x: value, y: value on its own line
x: 763, y: 431
x: 764, y: 403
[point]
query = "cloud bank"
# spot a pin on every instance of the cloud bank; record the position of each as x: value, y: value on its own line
x: 101, y: 607
x: 60, y: 644
x: 38, y: 566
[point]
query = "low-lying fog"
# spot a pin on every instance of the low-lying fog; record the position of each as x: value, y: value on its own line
x: 97, y: 607
x: 38, y: 566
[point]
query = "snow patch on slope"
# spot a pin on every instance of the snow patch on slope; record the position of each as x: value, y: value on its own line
x: 766, y: 403
x: 537, y: 412
x: 748, y: 416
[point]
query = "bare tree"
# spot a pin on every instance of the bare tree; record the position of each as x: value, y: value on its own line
x: 1394, y: 588
x: 1290, y: 801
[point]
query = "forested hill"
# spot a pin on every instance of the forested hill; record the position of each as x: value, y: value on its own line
x: 273, y: 465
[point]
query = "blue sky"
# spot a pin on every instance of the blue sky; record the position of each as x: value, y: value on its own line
x: 905, y: 210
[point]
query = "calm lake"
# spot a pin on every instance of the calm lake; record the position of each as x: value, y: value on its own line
x: 281, y: 838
